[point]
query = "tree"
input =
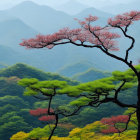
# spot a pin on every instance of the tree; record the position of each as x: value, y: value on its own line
x: 102, y: 38
x: 113, y: 124
x: 48, y: 90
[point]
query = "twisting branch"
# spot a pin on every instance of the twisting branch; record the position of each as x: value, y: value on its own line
x: 56, y: 123
x: 127, y: 36
x: 129, y: 119
x: 121, y: 59
x: 119, y: 89
x: 71, y: 114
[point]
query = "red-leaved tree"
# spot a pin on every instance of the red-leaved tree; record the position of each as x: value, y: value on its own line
x: 112, y: 122
x: 42, y: 114
x: 102, y: 38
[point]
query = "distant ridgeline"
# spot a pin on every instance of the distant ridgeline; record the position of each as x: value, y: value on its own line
x: 90, y: 75
x: 26, y: 24
x: 83, y: 71
x: 2, y: 65
x: 14, y: 107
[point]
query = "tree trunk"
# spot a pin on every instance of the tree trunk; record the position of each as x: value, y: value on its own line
x: 138, y: 109
x: 56, y: 123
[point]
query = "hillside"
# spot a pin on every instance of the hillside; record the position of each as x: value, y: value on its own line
x: 13, y: 115
x: 24, y: 71
x: 72, y: 69
x: 90, y: 75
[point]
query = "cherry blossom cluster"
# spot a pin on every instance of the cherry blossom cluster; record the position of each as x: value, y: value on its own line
x: 125, y: 19
x: 91, y: 35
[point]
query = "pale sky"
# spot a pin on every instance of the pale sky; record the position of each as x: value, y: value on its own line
x: 4, y: 4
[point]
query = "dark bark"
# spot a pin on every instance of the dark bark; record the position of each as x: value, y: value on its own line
x: 138, y: 109
x: 56, y: 123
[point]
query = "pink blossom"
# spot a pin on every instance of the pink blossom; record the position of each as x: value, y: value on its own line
x: 124, y: 19
x: 91, y: 18
x: 93, y: 35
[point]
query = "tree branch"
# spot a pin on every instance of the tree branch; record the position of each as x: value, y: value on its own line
x: 127, y: 36
x: 119, y: 89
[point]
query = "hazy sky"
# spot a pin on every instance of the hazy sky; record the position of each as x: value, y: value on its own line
x: 4, y: 4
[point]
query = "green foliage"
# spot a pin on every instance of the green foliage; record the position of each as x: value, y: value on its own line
x: 10, y: 128
x: 26, y: 81
x: 127, y: 75
x: 13, y: 100
x: 8, y: 87
x: 71, y: 91
x: 83, y: 101
x: 11, y: 123
x: 34, y: 87
x: 20, y: 108
x: 40, y: 132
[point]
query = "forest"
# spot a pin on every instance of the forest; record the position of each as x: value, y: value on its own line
x: 87, y: 124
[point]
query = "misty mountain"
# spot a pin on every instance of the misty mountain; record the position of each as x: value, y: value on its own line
x: 121, y: 8
x: 72, y: 7
x: 41, y: 18
x: 8, y: 55
x: 94, y: 12
x: 103, y: 16
x: 72, y: 69
x: 5, y: 16
x: 91, y: 75
x: 13, y: 31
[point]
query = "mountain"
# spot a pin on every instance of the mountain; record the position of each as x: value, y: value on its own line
x: 41, y: 18
x: 72, y: 7
x: 94, y: 12
x: 5, y: 16
x: 8, y: 55
x: 72, y: 69
x: 24, y: 71
x: 103, y: 16
x: 121, y: 8
x: 13, y: 31
x: 26, y: 23
x: 91, y: 75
